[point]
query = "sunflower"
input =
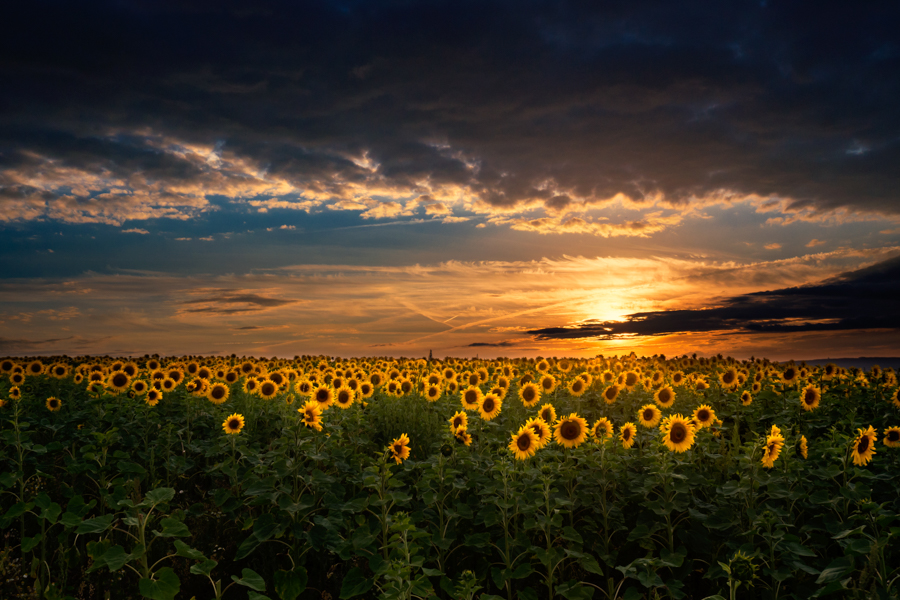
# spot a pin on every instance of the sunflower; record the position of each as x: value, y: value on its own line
x: 366, y: 389
x: 471, y: 398
x: 35, y: 367
x: 774, y: 444
x: 602, y: 430
x: 677, y: 433
x: 547, y: 384
x: 344, y: 397
x: 217, y: 393
x: 626, y: 435
x: 611, y: 393
x: 53, y: 404
x: 311, y: 413
x: 433, y: 392
x: 323, y: 395
x: 746, y: 397
x: 232, y: 376
x: 570, y: 431
x: 463, y: 437
x: 701, y: 384
x: 233, y: 424
x: 168, y: 384
x: 677, y: 377
x: 7, y: 365
x: 303, y: 387
x: 728, y: 378
x: 400, y: 448
x: 704, y: 415
x: 17, y: 378
x: 631, y: 379
x: 459, y: 420
x: 139, y: 386
x: 543, y: 366
x: 790, y: 375
x: 548, y: 414
x: 541, y: 430
x: 665, y: 397
x: 810, y: 398
x: 529, y: 394
x: 489, y: 407
x: 649, y: 416
x: 153, y: 397
x: 804, y: 447
x: 863, y: 446
x: 892, y: 437
x: 15, y: 393
x: 524, y: 443
x: 577, y: 387
x: 59, y: 370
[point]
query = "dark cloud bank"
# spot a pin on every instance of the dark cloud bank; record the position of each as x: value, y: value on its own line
x: 775, y: 98
x: 862, y: 299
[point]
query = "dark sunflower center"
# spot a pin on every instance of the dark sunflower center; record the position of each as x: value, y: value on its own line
x: 648, y: 415
x: 523, y: 442
x: 863, y: 445
x: 268, y: 388
x: 218, y: 392
x: 703, y: 415
x: 457, y: 422
x: 234, y: 424
x: 790, y: 374
x: 610, y: 393
x: 631, y: 379
x: 893, y: 436
x: 678, y: 433
x: 626, y: 435
x: 488, y: 405
x: 120, y: 380
x: 343, y: 397
x: 545, y: 415
x: 576, y: 387
x: 570, y: 430
x: 810, y: 397
x: 537, y: 430
x: 322, y: 395
x: 528, y: 394
x: 471, y: 397
x: 664, y: 396
x: 728, y: 378
x: 398, y: 448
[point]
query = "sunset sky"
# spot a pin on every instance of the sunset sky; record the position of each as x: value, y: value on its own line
x: 515, y: 178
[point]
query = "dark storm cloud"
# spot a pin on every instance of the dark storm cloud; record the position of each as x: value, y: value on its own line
x: 491, y: 345
x: 500, y: 98
x: 863, y: 299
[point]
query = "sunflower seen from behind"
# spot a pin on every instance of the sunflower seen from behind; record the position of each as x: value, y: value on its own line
x: 677, y: 433
x: 863, y: 448
x: 571, y: 431
x: 524, y: 443
x: 233, y: 424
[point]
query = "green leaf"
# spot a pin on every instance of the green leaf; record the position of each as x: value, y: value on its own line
x: 165, y: 587
x: 572, y: 590
x: 204, y: 568
x: 95, y: 525
x: 70, y: 520
x: 182, y: 549
x: 159, y: 496
x: 799, y: 549
x: 7, y: 479
x: 254, y: 596
x: 29, y: 543
x: 247, y: 547
x: 432, y: 572
x: 354, y: 584
x: 51, y: 512
x: 250, y: 579
x: 848, y: 532
x: 290, y: 584
x: 17, y: 510
x: 838, y: 568
x: 569, y: 534
x: 173, y: 528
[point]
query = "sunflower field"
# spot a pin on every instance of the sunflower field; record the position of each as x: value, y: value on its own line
x: 325, y: 478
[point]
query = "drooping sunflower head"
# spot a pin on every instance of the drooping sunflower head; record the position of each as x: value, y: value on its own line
x: 678, y: 433
x: 863, y: 446
x: 704, y: 415
x: 53, y: 404
x: 746, y: 397
x: 810, y: 398
x: 774, y: 444
x: 649, y: 416
x: 310, y: 414
x: 892, y: 437
x: 217, y: 393
x: 611, y: 393
x: 529, y: 394
x: 664, y: 396
x: 462, y: 436
x: 490, y: 406
x: 548, y: 414
x: 571, y: 431
x: 471, y: 398
x: 233, y: 424
x: 804, y: 447
x: 524, y: 443
x: 627, y: 433
x: 400, y: 448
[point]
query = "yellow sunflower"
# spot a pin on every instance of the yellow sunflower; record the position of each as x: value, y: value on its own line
x: 728, y: 378
x: 810, y: 398
x: 524, y: 443
x: 311, y: 413
x: 233, y: 424
x: 804, y: 447
x: 548, y: 414
x: 631, y: 379
x: 35, y: 367
x: 677, y: 433
x: 139, y: 386
x: 790, y: 375
x: 863, y: 446
x: 463, y: 437
x: 433, y: 392
x: 677, y: 377
x: 626, y: 435
x: 541, y: 430
x: 611, y: 393
x: 895, y: 399
x: 153, y: 397
x: 217, y: 393
x: 489, y: 407
x: 664, y: 396
x: 746, y: 397
x: 529, y: 394
x: 471, y: 398
x: 570, y: 431
x: 460, y: 419
x: 649, y: 416
x: 577, y: 387
x: 774, y: 444
x: 704, y: 415
x: 547, y: 384
x: 15, y: 393
x: 323, y: 395
x: 366, y: 389
x: 344, y: 397
x: 892, y: 437
x: 400, y: 448
x: 602, y: 430
x: 53, y: 404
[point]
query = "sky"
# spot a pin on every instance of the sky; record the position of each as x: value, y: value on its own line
x: 491, y: 179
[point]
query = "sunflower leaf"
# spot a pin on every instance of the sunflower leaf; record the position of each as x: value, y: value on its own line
x: 355, y: 584
x: 290, y: 584
x: 251, y: 579
x: 165, y: 587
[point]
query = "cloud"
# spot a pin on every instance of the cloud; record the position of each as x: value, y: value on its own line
x: 857, y: 300
x: 231, y: 302
x: 814, y: 242
x: 773, y: 246
x: 140, y: 231
x: 504, y: 344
